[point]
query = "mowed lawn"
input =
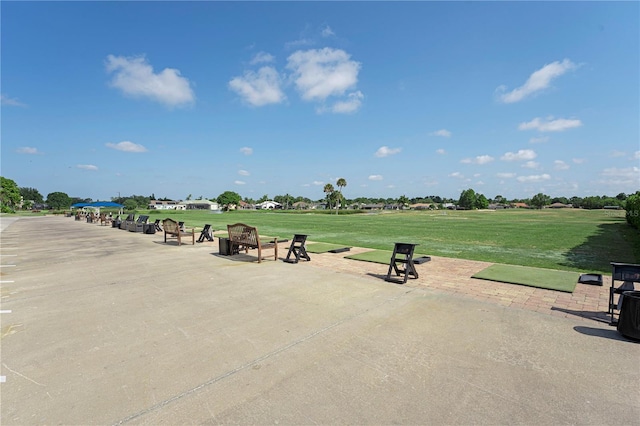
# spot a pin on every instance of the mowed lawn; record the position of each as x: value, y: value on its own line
x: 567, y: 239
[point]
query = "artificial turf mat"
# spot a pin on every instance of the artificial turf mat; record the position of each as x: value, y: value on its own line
x: 532, y: 277
x: 377, y: 256
x: 324, y: 247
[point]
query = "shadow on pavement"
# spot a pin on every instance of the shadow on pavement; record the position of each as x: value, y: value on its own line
x: 592, y: 315
x: 599, y: 332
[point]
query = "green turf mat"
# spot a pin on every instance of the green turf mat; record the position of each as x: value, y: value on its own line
x: 323, y: 247
x: 377, y: 256
x: 532, y: 277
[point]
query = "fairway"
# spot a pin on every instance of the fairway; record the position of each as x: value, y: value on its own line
x: 568, y: 239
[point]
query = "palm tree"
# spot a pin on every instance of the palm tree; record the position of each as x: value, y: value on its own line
x: 341, y: 183
x: 328, y: 189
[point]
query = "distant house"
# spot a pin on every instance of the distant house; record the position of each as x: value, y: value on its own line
x: 520, y: 205
x: 377, y: 206
x: 560, y: 206
x: 200, y: 205
x: 422, y: 206
x: 243, y: 205
x: 163, y: 205
x: 301, y: 205
x: 268, y: 205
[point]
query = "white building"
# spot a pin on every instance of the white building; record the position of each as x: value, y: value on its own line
x: 199, y: 205
x: 268, y: 205
x: 163, y: 205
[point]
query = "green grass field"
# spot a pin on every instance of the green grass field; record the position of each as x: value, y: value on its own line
x: 576, y: 240
x: 567, y: 239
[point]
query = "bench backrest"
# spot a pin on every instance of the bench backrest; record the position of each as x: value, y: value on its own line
x: 245, y: 234
x: 170, y: 226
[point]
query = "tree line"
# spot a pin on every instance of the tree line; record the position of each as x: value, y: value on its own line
x: 12, y: 197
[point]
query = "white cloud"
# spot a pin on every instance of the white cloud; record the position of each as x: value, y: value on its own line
x: 375, y: 177
x: 481, y: 159
x: 320, y: 73
x: 127, y: 146
x: 441, y: 151
x: 629, y: 173
x: 87, y: 167
x: 298, y: 43
x: 550, y: 125
x: 5, y: 100
x: 243, y: 173
x: 385, y: 151
x: 238, y: 182
x: 541, y: 139
x: 318, y: 183
x: 246, y: 150
x: 616, y: 153
x: 531, y: 165
x: 534, y: 178
x: 262, y: 57
x: 457, y: 175
x: 28, y: 150
x: 537, y: 81
x: 442, y: 132
x: 521, y: 155
x: 327, y: 32
x: 351, y: 105
x: 626, y: 176
x: 636, y: 155
x: 578, y: 160
x: 505, y: 175
x: 259, y: 88
x: 135, y: 77
x: 560, y: 165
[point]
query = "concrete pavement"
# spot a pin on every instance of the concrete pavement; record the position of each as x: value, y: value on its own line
x: 105, y: 326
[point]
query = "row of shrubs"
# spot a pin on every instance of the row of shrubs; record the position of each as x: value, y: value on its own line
x: 633, y: 210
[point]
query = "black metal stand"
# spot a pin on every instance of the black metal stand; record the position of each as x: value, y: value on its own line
x: 402, y: 254
x: 297, y: 249
x: 206, y: 234
x: 629, y: 273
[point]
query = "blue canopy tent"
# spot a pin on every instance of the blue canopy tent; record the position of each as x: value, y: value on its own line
x: 111, y: 204
x: 106, y: 204
x: 80, y: 205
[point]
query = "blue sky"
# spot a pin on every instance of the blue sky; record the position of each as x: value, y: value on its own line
x: 412, y: 98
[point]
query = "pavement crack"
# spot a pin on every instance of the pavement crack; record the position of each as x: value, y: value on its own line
x: 256, y: 361
x: 21, y: 375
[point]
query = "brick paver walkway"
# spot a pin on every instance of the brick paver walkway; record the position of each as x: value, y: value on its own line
x: 454, y: 276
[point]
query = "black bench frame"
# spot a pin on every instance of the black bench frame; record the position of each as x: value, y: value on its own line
x: 206, y: 234
x: 297, y: 249
x: 402, y: 254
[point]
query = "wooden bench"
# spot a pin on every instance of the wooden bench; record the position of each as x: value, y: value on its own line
x: 243, y: 236
x: 172, y: 228
x: 105, y: 219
